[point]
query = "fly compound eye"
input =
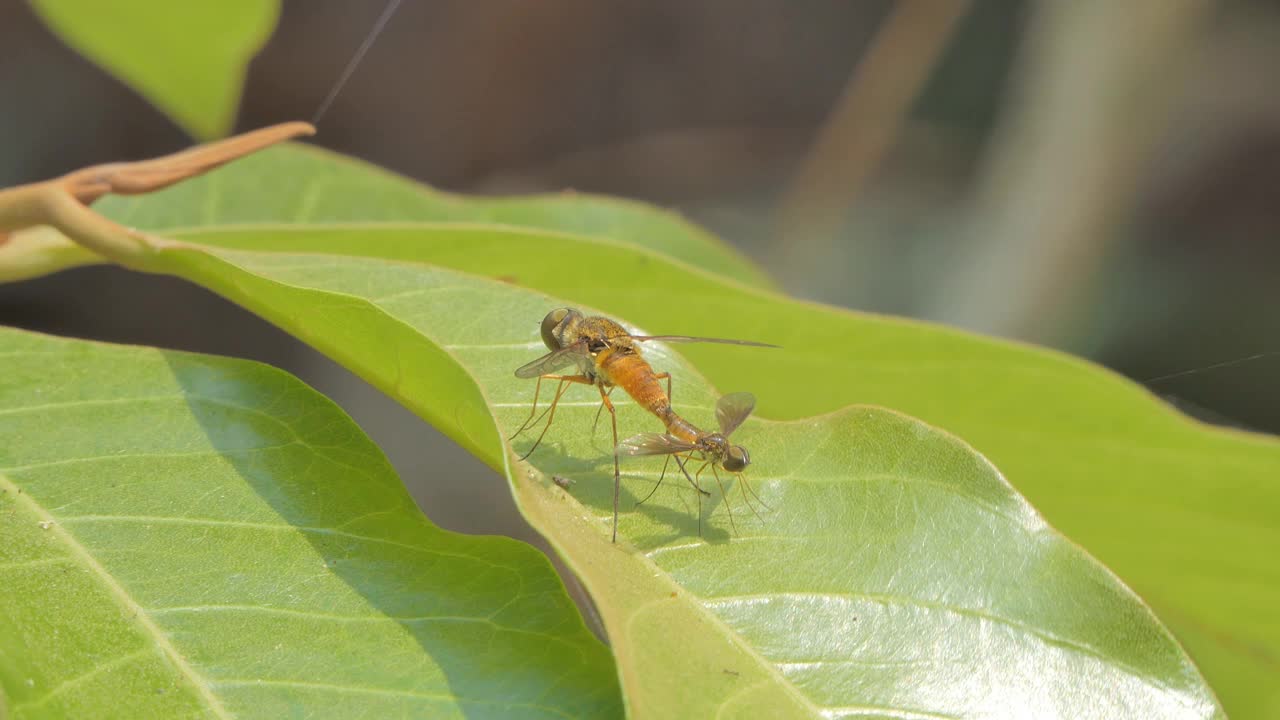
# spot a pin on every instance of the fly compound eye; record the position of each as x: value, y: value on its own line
x: 550, y: 324
x: 737, y: 460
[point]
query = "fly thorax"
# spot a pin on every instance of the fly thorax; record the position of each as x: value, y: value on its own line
x: 714, y: 445
x: 604, y: 357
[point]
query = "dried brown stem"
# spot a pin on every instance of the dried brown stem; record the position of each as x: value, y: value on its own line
x: 146, y: 176
x: 63, y: 202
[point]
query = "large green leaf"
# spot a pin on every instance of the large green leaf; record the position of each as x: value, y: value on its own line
x: 1180, y: 510
x: 184, y: 536
x: 1183, y: 512
x: 325, y: 189
x: 927, y: 586
x: 187, y: 58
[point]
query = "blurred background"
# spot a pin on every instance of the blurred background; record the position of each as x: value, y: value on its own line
x: 1103, y: 178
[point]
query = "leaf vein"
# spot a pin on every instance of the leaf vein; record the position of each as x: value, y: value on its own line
x: 1044, y: 635
x: 126, y: 601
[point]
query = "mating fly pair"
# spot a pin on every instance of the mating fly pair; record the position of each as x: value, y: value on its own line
x: 607, y: 356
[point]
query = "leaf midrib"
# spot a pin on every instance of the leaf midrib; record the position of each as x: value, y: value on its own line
x: 122, y: 597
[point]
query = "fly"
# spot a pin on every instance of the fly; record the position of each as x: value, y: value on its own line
x: 713, y: 449
x: 606, y: 356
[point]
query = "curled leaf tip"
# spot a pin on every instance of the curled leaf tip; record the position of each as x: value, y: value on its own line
x: 297, y: 128
x: 150, y: 175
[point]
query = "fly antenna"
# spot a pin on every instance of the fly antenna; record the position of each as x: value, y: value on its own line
x: 369, y: 39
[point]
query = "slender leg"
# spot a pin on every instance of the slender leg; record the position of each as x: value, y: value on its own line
x: 661, y: 477
x: 727, y: 507
x: 555, y: 400
x: 742, y: 483
x: 537, y: 392
x: 701, y: 492
x: 747, y: 488
x: 666, y: 376
x: 564, y: 385
x: 596, y: 422
x: 617, y: 472
x: 665, y: 463
x: 691, y: 480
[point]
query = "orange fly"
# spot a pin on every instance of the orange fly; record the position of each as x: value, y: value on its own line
x: 607, y: 356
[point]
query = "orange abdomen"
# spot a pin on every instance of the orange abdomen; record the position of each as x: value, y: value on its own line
x: 630, y: 372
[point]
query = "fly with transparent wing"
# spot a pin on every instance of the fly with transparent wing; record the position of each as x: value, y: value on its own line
x: 712, y: 449
x: 605, y: 356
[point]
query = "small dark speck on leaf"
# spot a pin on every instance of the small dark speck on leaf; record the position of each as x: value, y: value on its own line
x: 508, y: 279
x: 734, y: 673
x: 562, y: 481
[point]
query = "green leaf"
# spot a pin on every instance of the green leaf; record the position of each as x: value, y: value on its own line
x: 184, y: 535
x: 1178, y: 509
x: 338, y: 190
x: 188, y: 59
x: 926, y: 585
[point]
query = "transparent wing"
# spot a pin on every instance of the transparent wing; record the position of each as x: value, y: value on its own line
x: 691, y: 338
x: 732, y: 409
x: 653, y: 444
x: 575, y: 354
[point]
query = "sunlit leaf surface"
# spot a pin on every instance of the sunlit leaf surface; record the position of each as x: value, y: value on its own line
x: 190, y: 536
x: 1176, y: 508
x: 926, y: 586
x: 1180, y: 510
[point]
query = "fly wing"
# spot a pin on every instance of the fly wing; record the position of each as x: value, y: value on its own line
x: 691, y: 338
x: 653, y: 444
x: 574, y: 354
x: 732, y: 409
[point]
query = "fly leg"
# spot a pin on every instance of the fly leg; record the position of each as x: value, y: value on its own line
x: 667, y: 377
x: 565, y: 380
x: 537, y: 392
x: 725, y: 497
x: 694, y: 483
x: 595, y: 423
x: 746, y: 487
x: 665, y: 464
x: 617, y: 472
